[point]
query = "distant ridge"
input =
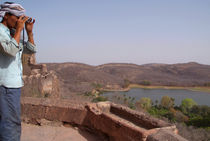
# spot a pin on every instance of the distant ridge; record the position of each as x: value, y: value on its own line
x: 79, y: 77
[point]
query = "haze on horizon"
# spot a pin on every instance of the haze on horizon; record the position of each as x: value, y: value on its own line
x: 121, y: 31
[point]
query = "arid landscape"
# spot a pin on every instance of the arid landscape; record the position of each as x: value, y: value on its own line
x: 78, y: 78
x: 64, y: 93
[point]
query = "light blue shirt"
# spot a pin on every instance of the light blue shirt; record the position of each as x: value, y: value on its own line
x: 10, y: 59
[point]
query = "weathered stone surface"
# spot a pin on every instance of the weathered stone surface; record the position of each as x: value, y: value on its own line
x: 94, y: 117
x: 104, y: 106
x: 139, y: 118
x: 44, y: 122
x: 34, y: 109
x: 113, y: 128
x: 165, y: 135
x: 41, y: 85
x: 38, y: 82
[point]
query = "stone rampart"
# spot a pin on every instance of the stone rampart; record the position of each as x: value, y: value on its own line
x: 116, y: 122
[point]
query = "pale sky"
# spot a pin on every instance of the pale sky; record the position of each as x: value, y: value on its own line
x: 96, y: 32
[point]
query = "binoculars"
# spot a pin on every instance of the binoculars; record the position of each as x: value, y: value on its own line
x: 29, y: 20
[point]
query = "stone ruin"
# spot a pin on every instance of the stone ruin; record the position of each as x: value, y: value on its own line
x: 41, y: 104
x: 38, y: 81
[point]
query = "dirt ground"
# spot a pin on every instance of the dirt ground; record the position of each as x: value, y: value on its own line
x: 32, y: 132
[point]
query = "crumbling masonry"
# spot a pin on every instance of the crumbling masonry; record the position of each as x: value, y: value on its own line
x: 41, y: 101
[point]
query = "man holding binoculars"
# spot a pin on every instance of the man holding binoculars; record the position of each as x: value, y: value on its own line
x: 11, y: 49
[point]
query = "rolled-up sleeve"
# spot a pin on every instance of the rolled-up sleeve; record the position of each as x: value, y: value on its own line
x: 31, y: 47
x: 9, y: 47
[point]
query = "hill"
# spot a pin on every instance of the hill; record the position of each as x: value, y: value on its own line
x: 78, y: 78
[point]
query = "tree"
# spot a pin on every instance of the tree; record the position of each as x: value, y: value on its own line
x: 167, y: 102
x: 144, y: 103
x: 201, y: 110
x: 187, y: 104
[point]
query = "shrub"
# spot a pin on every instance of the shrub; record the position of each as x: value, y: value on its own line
x: 202, y: 110
x: 97, y: 85
x: 180, y: 117
x: 88, y: 94
x: 100, y: 98
x: 187, y: 104
x: 145, y: 83
x: 144, y: 103
x: 199, y: 121
x: 167, y: 102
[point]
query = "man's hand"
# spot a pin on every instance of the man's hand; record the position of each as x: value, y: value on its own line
x: 19, y: 27
x: 29, y: 29
x: 29, y: 26
x: 20, y: 22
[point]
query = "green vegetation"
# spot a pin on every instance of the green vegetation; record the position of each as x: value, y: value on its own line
x: 88, y: 94
x: 99, y: 99
x: 145, y: 83
x: 199, y: 116
x: 187, y: 105
x: 97, y: 86
x: 192, y: 120
x: 188, y: 112
x: 144, y: 103
x: 167, y: 102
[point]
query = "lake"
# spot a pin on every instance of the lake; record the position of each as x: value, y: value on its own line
x: 201, y: 98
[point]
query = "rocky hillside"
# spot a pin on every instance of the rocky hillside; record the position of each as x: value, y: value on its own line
x: 80, y: 78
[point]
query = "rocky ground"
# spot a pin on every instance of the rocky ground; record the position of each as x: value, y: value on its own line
x: 32, y: 132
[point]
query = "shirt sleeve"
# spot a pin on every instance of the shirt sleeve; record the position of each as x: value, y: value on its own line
x: 31, y: 47
x: 9, y: 47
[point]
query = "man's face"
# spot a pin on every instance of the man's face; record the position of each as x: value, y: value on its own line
x: 11, y: 21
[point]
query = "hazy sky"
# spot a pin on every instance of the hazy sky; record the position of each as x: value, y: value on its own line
x: 121, y: 31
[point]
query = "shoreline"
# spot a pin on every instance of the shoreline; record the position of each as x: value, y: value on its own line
x: 196, y: 88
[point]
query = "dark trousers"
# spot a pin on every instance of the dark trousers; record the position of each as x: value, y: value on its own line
x: 10, y: 111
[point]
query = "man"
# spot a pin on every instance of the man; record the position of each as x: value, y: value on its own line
x: 11, y: 49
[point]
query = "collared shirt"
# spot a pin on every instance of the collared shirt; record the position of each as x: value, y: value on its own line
x: 10, y: 59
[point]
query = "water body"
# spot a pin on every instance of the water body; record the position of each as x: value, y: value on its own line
x: 201, y: 98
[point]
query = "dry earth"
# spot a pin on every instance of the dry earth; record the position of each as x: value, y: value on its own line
x: 32, y: 132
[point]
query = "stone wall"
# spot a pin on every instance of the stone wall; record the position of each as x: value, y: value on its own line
x: 98, y: 118
x: 139, y: 118
x: 41, y: 85
x: 38, y: 81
